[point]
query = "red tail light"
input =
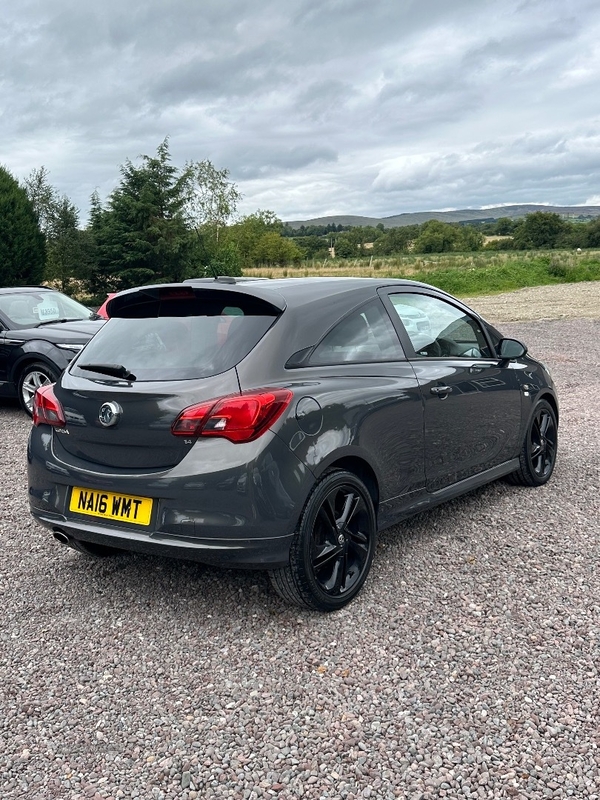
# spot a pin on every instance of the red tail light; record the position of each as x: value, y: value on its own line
x: 239, y: 418
x: 46, y: 408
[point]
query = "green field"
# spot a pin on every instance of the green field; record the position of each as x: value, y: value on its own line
x: 462, y: 274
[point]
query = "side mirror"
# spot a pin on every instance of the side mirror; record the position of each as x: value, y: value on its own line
x: 511, y: 348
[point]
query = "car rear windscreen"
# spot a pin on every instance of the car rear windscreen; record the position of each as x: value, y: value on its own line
x: 194, y: 338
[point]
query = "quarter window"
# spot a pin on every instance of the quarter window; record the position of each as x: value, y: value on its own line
x: 436, y: 328
x: 366, y: 335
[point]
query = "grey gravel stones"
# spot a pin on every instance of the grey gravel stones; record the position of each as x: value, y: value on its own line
x: 563, y: 301
x: 467, y: 667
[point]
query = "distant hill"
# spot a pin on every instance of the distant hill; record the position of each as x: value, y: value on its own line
x: 461, y: 215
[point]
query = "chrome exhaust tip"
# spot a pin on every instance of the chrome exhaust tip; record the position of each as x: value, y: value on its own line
x: 61, y: 537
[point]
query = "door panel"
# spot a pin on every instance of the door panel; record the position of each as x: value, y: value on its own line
x: 474, y: 425
x: 472, y: 399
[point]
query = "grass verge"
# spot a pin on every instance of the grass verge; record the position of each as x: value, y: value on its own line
x: 460, y: 274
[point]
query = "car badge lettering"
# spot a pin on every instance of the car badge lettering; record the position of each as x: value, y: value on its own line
x: 109, y: 414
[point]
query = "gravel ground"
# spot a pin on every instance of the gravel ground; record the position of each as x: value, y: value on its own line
x: 563, y: 301
x: 467, y: 667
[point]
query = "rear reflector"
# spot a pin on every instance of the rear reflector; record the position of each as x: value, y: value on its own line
x: 239, y: 418
x: 46, y: 408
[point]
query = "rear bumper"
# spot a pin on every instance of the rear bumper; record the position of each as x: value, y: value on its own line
x: 242, y: 553
x: 223, y: 504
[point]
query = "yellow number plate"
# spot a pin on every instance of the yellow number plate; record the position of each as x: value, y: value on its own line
x: 123, y: 507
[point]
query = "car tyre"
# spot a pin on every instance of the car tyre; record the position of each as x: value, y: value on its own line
x: 33, y: 376
x: 538, y: 454
x: 333, y: 547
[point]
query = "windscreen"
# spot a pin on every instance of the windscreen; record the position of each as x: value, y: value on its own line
x: 31, y: 309
x: 191, y: 339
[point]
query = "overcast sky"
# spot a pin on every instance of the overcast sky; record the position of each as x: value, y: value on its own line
x: 316, y: 107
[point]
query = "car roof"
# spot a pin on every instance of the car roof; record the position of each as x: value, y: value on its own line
x: 281, y: 292
x: 315, y: 286
x: 15, y: 289
x: 311, y: 299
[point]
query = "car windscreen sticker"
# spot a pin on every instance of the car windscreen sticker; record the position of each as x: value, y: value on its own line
x: 47, y: 309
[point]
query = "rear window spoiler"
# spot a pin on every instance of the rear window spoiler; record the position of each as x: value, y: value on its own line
x: 197, y: 297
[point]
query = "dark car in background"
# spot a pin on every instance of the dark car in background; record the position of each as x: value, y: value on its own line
x: 41, y: 330
x: 279, y: 424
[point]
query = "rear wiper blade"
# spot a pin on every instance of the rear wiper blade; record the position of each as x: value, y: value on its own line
x: 116, y: 370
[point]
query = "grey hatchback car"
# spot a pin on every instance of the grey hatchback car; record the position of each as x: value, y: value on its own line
x: 279, y: 424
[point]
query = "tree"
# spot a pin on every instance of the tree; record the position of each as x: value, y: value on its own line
x: 22, y: 254
x: 258, y: 240
x: 224, y: 261
x: 344, y: 247
x: 396, y: 240
x: 143, y: 235
x: 162, y: 223
x: 64, y: 246
x: 469, y: 239
x: 272, y: 248
x: 505, y: 226
x: 436, y: 237
x: 213, y: 198
x: 43, y: 197
x: 313, y: 246
x: 593, y: 233
x: 210, y: 204
x: 358, y: 236
x: 247, y: 232
x: 59, y: 222
x: 540, y: 230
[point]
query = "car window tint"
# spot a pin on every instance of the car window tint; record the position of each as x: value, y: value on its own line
x: 365, y: 335
x: 177, y: 347
x: 437, y: 328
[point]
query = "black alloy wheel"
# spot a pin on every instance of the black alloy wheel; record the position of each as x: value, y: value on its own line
x: 32, y: 378
x: 332, y: 551
x: 538, y: 455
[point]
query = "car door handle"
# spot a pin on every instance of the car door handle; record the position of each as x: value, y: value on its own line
x: 476, y: 368
x: 441, y: 390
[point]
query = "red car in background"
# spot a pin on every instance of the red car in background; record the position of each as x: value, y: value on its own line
x: 102, y: 310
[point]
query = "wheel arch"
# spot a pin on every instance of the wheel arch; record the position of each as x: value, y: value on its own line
x: 363, y: 470
x: 551, y: 399
x: 27, y: 359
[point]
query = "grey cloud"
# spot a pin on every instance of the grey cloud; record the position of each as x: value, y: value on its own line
x: 262, y: 161
x: 363, y: 26
x: 315, y: 106
x: 557, y: 167
x: 231, y: 76
x: 323, y: 101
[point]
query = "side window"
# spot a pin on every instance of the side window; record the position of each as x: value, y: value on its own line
x: 437, y: 328
x: 365, y: 335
